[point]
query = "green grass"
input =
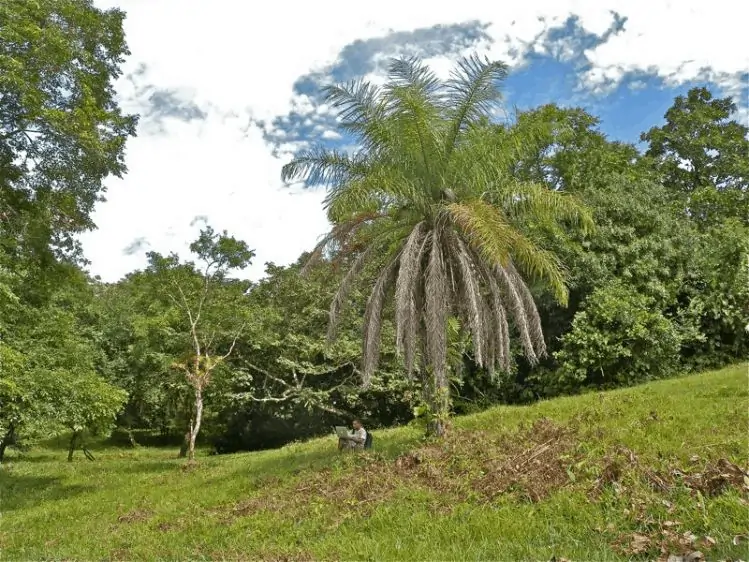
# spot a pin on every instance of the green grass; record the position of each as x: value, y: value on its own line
x: 306, y: 501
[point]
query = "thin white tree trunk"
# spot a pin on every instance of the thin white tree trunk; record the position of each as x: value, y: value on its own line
x: 195, y: 426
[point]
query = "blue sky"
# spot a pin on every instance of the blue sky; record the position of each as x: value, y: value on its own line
x: 227, y: 95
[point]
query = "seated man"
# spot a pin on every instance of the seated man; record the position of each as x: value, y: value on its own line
x: 355, y: 440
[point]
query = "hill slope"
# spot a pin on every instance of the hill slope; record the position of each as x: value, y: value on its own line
x: 644, y: 472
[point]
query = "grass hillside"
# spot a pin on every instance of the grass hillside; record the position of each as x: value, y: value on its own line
x: 644, y: 472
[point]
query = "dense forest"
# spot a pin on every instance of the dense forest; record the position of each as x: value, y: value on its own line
x: 636, y: 257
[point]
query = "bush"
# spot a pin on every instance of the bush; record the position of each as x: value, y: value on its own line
x: 618, y: 338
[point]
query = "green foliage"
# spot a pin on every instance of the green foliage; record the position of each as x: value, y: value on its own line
x: 51, y: 368
x: 619, y: 338
x: 701, y: 154
x: 85, y: 401
x: 432, y: 199
x: 61, y: 131
x: 715, y: 296
x: 288, y: 381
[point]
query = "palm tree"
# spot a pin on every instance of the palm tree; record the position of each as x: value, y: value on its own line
x: 431, y: 200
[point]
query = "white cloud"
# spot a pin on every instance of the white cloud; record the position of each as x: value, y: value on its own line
x: 210, y: 170
x: 241, y: 60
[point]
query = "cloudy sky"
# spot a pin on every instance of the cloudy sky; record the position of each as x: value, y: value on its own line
x: 227, y: 92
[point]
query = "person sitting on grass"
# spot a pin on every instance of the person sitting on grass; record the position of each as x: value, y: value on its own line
x: 356, y: 439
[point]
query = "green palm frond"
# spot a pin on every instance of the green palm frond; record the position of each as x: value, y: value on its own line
x: 413, y: 73
x: 319, y: 166
x: 520, y: 200
x: 385, y: 187
x: 471, y: 93
x: 485, y: 229
x: 362, y: 112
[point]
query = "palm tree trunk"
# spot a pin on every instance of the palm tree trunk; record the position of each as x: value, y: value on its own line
x: 437, y: 397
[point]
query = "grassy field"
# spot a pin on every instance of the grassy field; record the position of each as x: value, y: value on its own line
x: 635, y: 473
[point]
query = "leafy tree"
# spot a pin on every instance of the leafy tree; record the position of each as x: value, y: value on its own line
x: 431, y: 196
x: 619, y: 338
x: 701, y: 154
x: 212, y: 306
x: 714, y: 297
x: 287, y: 381
x: 85, y: 401
x: 61, y: 130
x: 51, y: 367
x: 142, y: 335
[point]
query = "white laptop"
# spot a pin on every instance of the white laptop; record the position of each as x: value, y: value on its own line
x: 342, y: 431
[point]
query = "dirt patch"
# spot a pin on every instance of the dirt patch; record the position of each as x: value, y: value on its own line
x: 535, y: 463
x: 135, y: 516
x: 714, y: 478
x: 664, y: 539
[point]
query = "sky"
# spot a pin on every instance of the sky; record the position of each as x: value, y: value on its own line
x: 228, y: 92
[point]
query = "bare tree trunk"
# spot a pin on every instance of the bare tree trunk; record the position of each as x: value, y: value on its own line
x: 195, y: 425
x: 73, y: 442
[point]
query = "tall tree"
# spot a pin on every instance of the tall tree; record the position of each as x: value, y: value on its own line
x: 213, y: 308
x: 701, y: 153
x: 431, y: 197
x: 61, y: 129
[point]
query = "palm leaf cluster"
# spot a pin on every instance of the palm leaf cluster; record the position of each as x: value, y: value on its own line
x: 430, y: 198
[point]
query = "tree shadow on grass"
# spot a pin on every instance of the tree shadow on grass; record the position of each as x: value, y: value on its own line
x: 22, y: 491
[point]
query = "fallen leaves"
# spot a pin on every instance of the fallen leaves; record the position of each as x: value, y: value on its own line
x: 672, y: 546
x: 715, y: 478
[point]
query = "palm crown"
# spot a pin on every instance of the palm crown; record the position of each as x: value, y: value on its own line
x: 431, y: 197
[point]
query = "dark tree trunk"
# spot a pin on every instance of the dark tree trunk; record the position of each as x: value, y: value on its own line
x: 73, y: 443
x: 185, y: 446
x: 8, y: 439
